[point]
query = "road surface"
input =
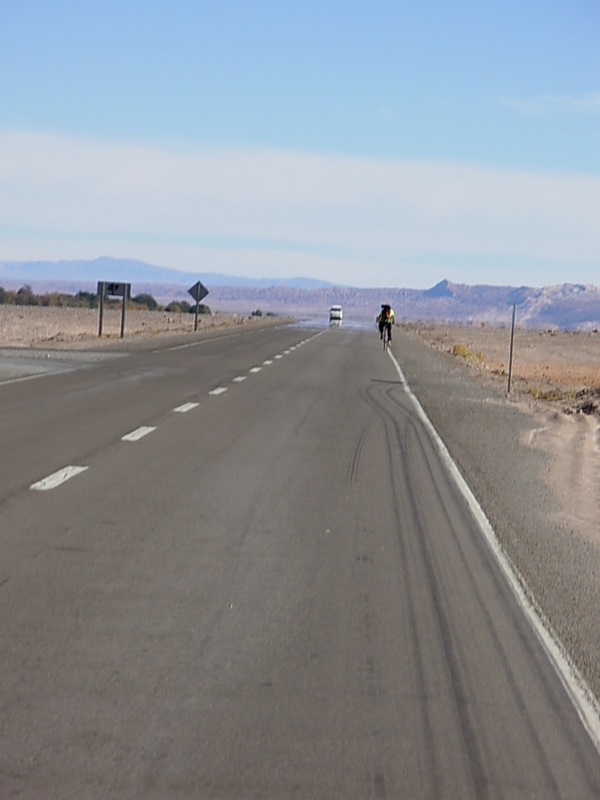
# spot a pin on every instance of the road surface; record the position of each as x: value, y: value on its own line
x: 239, y: 569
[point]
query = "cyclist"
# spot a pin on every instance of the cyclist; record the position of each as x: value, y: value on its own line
x: 385, y: 319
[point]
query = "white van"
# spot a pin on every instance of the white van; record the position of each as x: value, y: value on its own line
x: 335, y: 315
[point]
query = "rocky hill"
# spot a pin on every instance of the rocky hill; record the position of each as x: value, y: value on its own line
x: 566, y: 306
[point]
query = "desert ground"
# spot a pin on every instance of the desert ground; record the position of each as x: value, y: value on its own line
x: 78, y: 329
x: 544, y: 362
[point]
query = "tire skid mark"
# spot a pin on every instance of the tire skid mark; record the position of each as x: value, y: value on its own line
x: 410, y: 439
x: 353, y: 467
x: 482, y: 602
x: 412, y: 436
x: 456, y: 678
x: 430, y: 769
x: 478, y: 749
x: 585, y: 703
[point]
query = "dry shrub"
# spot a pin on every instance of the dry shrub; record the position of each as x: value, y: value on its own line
x: 462, y: 350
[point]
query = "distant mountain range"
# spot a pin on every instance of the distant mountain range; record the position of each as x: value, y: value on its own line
x: 134, y: 272
x: 566, y: 306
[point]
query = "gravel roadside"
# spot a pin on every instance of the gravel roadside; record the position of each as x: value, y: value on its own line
x: 487, y: 435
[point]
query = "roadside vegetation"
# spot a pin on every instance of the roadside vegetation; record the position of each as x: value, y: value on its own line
x: 583, y: 401
x: 258, y: 313
x: 25, y: 296
x: 551, y: 394
x: 464, y: 351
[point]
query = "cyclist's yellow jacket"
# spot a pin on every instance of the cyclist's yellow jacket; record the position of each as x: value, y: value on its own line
x: 386, y: 318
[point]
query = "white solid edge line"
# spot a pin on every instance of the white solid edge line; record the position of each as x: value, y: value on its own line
x: 58, y: 477
x: 32, y: 377
x: 217, y: 337
x: 185, y: 408
x: 138, y: 434
x: 583, y: 699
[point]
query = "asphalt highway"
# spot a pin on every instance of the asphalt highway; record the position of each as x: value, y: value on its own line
x: 239, y: 568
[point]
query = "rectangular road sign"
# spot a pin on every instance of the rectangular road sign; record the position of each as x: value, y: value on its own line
x: 114, y: 289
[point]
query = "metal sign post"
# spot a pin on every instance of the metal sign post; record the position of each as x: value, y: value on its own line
x: 198, y: 292
x: 101, y: 306
x: 512, y: 338
x: 113, y: 289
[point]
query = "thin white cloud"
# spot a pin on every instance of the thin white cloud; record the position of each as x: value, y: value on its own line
x: 284, y: 212
x: 541, y: 105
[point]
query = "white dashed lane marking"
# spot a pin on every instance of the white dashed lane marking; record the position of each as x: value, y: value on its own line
x: 54, y: 480
x: 62, y: 475
x: 185, y: 408
x: 138, y: 433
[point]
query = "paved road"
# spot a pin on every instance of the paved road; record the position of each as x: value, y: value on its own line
x: 269, y: 588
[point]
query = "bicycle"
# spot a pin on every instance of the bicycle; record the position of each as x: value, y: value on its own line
x: 386, y: 336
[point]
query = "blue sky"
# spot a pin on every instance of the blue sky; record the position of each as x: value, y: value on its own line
x: 365, y: 143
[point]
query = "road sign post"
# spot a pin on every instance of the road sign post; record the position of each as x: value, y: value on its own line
x: 113, y: 289
x: 512, y: 339
x: 198, y: 292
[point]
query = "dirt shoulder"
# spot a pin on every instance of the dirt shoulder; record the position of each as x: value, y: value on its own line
x: 555, y: 381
